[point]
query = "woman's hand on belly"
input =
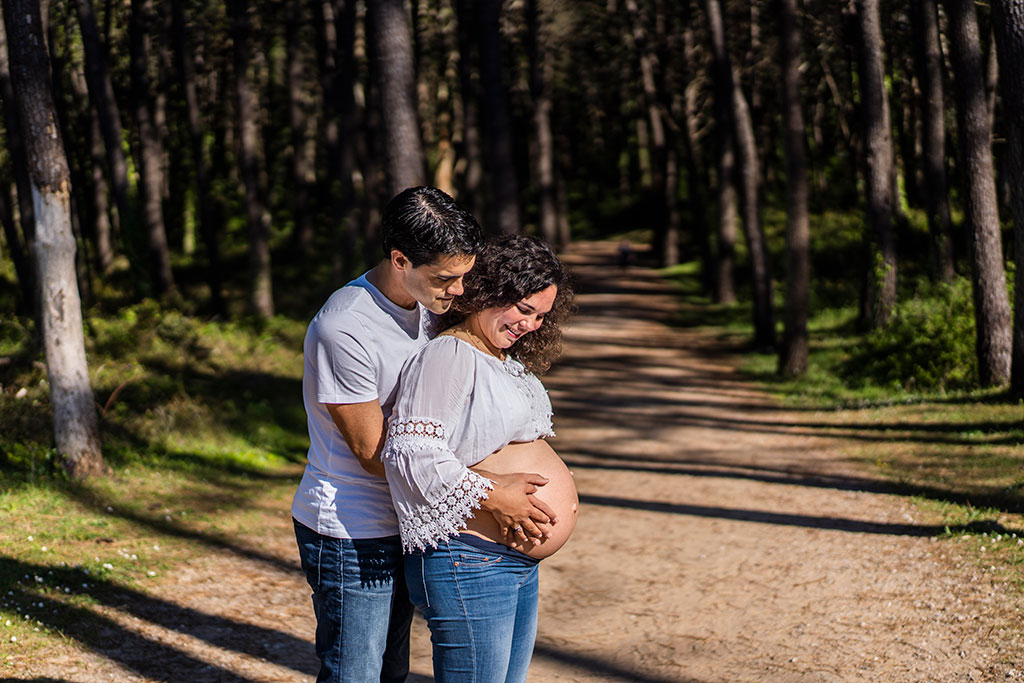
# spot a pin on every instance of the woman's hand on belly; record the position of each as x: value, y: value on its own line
x: 521, y: 516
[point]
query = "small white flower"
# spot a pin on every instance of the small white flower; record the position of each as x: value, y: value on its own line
x: 151, y: 573
x: 8, y: 623
x: 156, y: 547
x: 134, y: 556
x: 44, y: 548
x: 14, y: 639
x: 107, y: 565
x: 110, y: 509
x: 31, y: 538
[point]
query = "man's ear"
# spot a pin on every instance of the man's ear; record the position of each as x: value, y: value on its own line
x: 400, y: 261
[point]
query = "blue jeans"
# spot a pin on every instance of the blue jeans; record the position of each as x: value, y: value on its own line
x: 480, y: 602
x: 361, y: 604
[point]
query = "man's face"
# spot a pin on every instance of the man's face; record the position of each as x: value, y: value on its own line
x: 436, y: 284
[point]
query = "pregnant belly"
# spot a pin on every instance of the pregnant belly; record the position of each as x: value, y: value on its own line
x: 559, y: 493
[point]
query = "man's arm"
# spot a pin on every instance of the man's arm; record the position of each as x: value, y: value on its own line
x: 362, y: 425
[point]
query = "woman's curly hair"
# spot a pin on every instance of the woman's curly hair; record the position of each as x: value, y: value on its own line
x: 507, y: 270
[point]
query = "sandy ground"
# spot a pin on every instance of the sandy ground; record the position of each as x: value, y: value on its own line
x: 721, y: 538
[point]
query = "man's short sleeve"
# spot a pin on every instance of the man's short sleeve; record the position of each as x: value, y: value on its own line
x: 346, y: 371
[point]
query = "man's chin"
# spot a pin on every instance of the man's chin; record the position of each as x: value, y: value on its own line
x: 441, y: 306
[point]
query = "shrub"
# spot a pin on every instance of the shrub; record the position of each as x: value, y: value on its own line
x: 928, y: 345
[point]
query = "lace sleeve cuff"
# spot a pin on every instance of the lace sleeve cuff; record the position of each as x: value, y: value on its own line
x: 426, y: 525
x: 434, y: 494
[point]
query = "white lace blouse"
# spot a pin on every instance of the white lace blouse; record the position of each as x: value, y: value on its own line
x: 455, y: 406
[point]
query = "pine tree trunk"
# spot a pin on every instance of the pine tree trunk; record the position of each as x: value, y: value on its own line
x: 657, y: 142
x: 469, y: 126
x: 261, y: 298
x: 76, y: 426
x: 794, y: 353
x: 298, y: 122
x: 878, y: 167
x: 151, y: 169
x: 101, y: 95
x: 390, y: 38
x: 746, y: 171
x: 14, y: 142
x: 497, y: 126
x: 981, y: 215
x: 925, y: 17
x: 540, y: 75
x: 1008, y: 23
x: 201, y: 169
x: 726, y: 142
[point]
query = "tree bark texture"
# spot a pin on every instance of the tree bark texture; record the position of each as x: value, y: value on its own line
x: 101, y: 94
x: 657, y: 143
x: 1008, y: 23
x: 925, y: 17
x: 981, y: 214
x: 301, y: 167
x: 76, y: 427
x: 261, y: 298
x: 468, y: 126
x: 497, y: 124
x: 390, y: 38
x: 540, y: 74
x: 726, y: 143
x: 746, y: 170
x: 150, y: 150
x: 794, y: 353
x: 879, y: 166
x: 15, y: 144
x: 201, y: 169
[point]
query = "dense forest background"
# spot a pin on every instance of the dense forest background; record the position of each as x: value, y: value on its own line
x: 229, y: 161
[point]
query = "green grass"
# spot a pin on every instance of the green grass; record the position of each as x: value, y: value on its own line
x: 205, y: 436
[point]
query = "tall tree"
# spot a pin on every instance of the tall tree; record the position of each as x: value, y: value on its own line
x: 794, y: 351
x: 747, y: 173
x: 101, y: 95
x: 301, y: 166
x: 1008, y: 23
x: 150, y: 150
x: 261, y: 299
x: 981, y: 213
x: 879, y: 166
x: 725, y: 137
x: 497, y: 124
x: 925, y: 18
x: 468, y: 124
x: 14, y: 142
x: 201, y: 169
x: 76, y: 427
x: 658, y: 143
x: 540, y: 76
x: 390, y: 38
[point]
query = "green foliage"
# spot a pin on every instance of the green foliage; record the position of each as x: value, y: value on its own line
x: 928, y: 345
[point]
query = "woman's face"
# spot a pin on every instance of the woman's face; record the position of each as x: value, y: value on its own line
x: 500, y: 328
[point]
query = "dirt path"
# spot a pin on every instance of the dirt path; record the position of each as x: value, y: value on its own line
x: 721, y: 539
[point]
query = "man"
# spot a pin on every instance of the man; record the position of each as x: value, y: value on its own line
x: 355, y: 346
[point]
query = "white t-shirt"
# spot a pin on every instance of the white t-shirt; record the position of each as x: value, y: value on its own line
x: 354, y: 349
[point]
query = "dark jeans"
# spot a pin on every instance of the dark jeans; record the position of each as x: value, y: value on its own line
x: 361, y: 604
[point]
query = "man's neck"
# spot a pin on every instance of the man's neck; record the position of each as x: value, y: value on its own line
x: 384, y: 278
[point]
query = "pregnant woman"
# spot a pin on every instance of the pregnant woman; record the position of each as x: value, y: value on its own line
x: 470, y: 413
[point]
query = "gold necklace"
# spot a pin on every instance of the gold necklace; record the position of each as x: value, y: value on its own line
x: 463, y: 332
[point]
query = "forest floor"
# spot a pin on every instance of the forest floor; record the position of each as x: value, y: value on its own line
x: 721, y: 538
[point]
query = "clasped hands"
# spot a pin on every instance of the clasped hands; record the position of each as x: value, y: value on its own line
x: 523, y: 519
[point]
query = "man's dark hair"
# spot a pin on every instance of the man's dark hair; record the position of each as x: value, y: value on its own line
x: 424, y: 223
x: 509, y: 269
